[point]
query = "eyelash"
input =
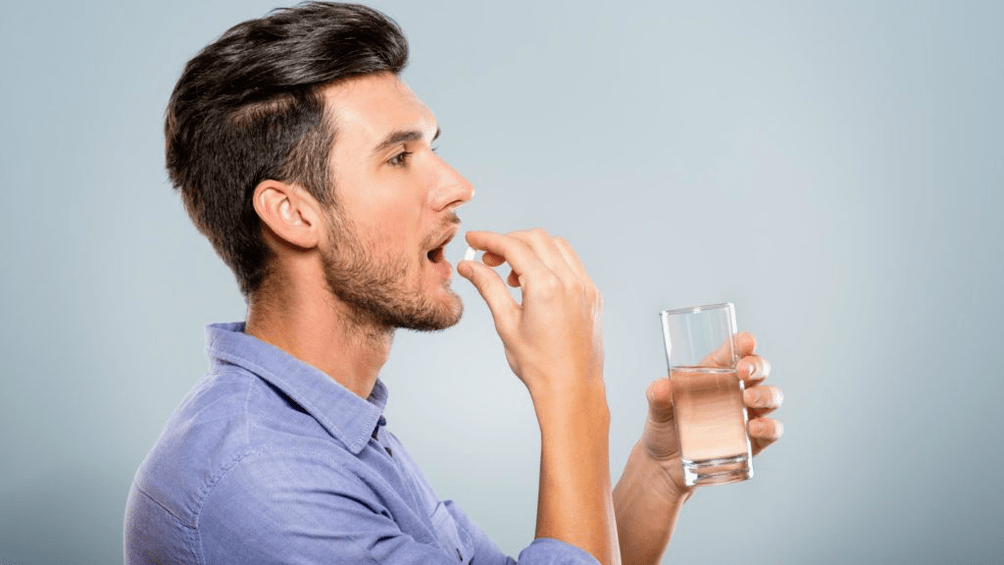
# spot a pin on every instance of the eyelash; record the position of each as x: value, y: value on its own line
x: 399, y: 160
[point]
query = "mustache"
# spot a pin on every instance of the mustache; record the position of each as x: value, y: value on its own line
x: 436, y: 235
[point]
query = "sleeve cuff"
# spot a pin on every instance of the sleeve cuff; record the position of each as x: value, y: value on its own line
x: 549, y: 551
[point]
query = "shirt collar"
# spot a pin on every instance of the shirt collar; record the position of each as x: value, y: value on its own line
x: 341, y: 412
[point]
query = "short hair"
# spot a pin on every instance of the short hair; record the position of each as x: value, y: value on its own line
x: 248, y: 108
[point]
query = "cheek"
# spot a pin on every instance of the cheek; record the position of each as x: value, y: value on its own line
x: 395, y: 214
x: 393, y: 232
x: 387, y: 211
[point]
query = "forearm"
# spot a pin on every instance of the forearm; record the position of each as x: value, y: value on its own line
x: 574, y: 499
x: 647, y: 504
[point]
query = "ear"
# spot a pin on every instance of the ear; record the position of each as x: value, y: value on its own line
x: 290, y: 212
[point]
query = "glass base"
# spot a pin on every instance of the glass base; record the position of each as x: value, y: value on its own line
x: 717, y: 471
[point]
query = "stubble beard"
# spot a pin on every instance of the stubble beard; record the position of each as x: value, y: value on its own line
x: 375, y: 288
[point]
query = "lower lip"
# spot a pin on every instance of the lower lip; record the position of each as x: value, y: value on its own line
x: 444, y: 268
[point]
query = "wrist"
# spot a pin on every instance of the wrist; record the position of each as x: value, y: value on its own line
x: 647, y: 503
x: 578, y: 402
x: 664, y: 478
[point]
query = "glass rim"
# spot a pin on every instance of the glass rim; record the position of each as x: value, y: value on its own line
x: 697, y: 309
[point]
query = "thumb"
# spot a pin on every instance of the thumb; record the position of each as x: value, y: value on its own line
x: 660, y: 401
x: 492, y: 290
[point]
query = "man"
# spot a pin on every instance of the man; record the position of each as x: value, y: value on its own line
x: 308, y: 164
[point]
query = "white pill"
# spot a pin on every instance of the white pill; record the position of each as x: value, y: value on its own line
x: 469, y: 255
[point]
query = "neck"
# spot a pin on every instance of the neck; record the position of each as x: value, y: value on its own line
x: 310, y: 324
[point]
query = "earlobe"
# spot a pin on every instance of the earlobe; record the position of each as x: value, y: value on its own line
x: 290, y: 213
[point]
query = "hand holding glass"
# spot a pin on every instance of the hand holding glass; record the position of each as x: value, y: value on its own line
x: 707, y: 394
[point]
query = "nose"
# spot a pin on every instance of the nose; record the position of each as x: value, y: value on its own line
x: 451, y: 188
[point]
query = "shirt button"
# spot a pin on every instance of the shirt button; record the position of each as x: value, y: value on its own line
x: 460, y: 556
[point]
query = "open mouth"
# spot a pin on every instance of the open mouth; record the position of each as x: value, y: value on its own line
x: 436, y: 255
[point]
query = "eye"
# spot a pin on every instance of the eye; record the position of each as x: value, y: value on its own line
x: 399, y: 160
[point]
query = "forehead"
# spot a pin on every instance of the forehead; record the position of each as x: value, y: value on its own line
x: 367, y: 109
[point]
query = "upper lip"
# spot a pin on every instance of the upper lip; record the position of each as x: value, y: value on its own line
x: 448, y: 236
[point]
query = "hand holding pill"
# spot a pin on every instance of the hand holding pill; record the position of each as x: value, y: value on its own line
x: 553, y: 337
x: 554, y: 343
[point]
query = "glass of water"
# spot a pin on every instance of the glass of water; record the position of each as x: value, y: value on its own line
x: 707, y: 394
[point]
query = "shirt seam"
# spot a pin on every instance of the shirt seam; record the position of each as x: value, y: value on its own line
x: 211, y: 484
x: 161, y: 505
x: 315, y: 411
x: 236, y: 461
x: 247, y: 411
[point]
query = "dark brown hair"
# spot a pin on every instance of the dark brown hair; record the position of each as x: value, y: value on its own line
x: 247, y: 108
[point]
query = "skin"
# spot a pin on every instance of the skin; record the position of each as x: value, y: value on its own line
x: 396, y: 201
x: 650, y: 493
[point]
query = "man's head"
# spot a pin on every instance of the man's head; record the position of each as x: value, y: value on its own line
x: 249, y: 107
x: 383, y: 254
x: 304, y: 108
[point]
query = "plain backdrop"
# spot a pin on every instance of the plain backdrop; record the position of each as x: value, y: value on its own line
x: 833, y: 168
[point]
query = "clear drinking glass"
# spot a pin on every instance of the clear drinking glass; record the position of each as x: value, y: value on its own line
x: 707, y: 394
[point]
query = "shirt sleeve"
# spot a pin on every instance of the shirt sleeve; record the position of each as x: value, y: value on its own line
x: 304, y: 509
x: 542, y: 551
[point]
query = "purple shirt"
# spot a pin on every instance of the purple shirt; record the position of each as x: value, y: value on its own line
x: 269, y: 460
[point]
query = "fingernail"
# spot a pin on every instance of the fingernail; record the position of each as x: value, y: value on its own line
x: 756, y: 427
x: 752, y: 369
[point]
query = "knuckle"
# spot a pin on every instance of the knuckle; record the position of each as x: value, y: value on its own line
x: 548, y: 285
x: 521, y: 243
x: 575, y: 286
x: 777, y: 396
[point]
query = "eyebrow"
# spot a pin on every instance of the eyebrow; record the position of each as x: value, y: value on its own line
x: 402, y: 137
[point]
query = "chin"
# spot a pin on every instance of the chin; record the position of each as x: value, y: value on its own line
x: 436, y: 317
x: 450, y: 313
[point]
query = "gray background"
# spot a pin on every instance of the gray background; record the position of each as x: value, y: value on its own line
x: 835, y: 169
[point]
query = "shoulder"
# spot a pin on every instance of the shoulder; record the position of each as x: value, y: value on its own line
x: 228, y: 419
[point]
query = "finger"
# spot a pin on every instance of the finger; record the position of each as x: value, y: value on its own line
x: 503, y: 308
x: 512, y: 279
x: 739, y: 346
x: 515, y: 251
x: 491, y: 259
x: 752, y: 369
x: 571, y: 257
x: 660, y: 401
x: 763, y: 399
x: 763, y: 432
x: 545, y: 247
